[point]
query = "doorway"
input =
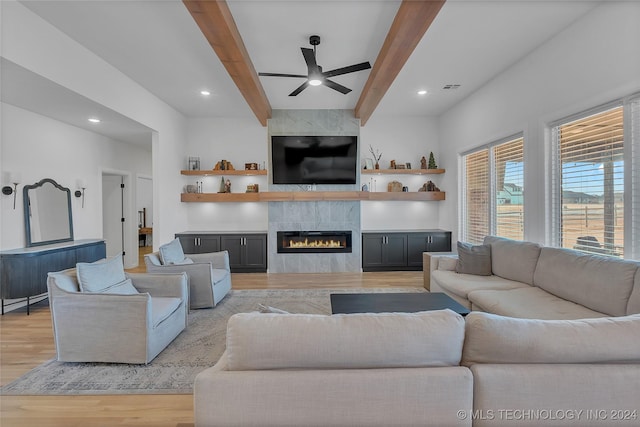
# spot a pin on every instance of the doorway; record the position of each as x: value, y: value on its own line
x: 116, y: 216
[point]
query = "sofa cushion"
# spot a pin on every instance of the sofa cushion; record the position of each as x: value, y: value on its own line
x: 529, y: 303
x: 171, y: 253
x: 344, y: 341
x: 513, y: 259
x: 633, y: 306
x: 123, y: 288
x: 100, y: 275
x: 474, y: 259
x: 598, y: 282
x: 447, y: 263
x: 162, y: 308
x: 490, y: 338
x: 462, y: 284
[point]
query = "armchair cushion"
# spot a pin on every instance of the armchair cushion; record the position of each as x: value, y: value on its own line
x: 171, y: 253
x: 123, y: 288
x: 100, y: 275
x: 162, y: 308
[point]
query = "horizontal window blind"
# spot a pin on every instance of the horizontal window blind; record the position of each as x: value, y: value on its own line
x: 590, y: 164
x: 508, y: 181
x: 476, y: 197
x: 634, y: 107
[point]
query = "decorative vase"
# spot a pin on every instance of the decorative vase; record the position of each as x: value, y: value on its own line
x: 377, y: 166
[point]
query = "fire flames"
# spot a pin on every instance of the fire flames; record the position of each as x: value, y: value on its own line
x: 316, y: 244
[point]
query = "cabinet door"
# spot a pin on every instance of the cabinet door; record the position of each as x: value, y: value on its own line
x: 440, y: 241
x: 207, y: 244
x: 188, y: 243
x: 199, y: 243
x: 395, y: 250
x: 417, y: 243
x: 255, y: 252
x: 372, y: 250
x: 233, y: 244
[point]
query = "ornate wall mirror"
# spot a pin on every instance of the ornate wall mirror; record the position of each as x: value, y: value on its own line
x: 47, y: 213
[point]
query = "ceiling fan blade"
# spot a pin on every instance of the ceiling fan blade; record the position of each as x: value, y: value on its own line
x: 300, y: 88
x: 310, y: 59
x: 335, y: 86
x: 281, y: 75
x: 346, y: 70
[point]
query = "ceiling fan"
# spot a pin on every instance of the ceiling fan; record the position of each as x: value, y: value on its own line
x: 316, y: 76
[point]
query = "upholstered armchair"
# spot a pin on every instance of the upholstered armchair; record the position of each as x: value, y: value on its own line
x: 131, y: 322
x: 209, y: 273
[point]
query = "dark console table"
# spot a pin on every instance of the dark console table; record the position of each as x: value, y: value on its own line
x: 24, y: 271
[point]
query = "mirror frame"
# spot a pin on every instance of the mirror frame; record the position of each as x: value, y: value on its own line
x: 27, y: 217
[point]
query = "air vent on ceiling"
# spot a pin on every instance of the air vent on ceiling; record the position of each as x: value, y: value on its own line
x: 452, y: 86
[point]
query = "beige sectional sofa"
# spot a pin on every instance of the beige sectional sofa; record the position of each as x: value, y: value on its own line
x: 532, y: 281
x: 422, y: 369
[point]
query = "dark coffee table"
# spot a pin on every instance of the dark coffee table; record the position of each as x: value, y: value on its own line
x: 390, y: 302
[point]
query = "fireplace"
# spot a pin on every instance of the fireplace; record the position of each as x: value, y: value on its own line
x: 304, y: 242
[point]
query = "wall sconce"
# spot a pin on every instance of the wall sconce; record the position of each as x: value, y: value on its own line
x: 78, y: 193
x: 7, y: 190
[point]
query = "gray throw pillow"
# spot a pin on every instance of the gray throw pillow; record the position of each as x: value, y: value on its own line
x: 100, y: 275
x: 171, y: 253
x: 474, y: 259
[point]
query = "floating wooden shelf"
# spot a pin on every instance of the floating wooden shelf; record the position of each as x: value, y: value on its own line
x: 401, y: 171
x: 225, y: 172
x: 304, y: 196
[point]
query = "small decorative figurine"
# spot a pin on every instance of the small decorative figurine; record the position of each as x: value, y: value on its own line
x: 423, y: 163
x: 432, y: 161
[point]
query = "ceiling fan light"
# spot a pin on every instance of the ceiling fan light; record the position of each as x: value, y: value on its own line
x: 315, y: 81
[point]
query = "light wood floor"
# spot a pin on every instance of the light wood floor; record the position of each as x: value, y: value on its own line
x: 27, y: 341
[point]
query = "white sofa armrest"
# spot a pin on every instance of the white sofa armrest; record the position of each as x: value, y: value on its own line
x: 430, y: 263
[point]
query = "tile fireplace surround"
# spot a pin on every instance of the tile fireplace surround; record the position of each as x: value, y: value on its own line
x: 319, y: 215
x: 314, y: 216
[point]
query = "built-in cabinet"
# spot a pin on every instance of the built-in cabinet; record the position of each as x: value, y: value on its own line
x: 247, y: 251
x: 383, y: 251
x: 24, y: 271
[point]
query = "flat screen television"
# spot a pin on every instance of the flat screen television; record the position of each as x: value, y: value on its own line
x: 314, y: 159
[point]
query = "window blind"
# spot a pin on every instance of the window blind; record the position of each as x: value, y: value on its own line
x: 508, y: 181
x: 476, y: 197
x: 590, y: 185
x: 634, y: 196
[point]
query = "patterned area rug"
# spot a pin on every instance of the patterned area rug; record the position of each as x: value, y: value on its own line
x: 174, y: 369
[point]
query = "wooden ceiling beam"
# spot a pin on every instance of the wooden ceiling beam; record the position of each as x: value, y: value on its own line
x: 411, y: 22
x: 219, y: 28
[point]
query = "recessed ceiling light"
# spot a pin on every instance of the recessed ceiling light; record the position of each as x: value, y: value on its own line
x: 205, y: 93
x: 94, y: 120
x: 422, y: 92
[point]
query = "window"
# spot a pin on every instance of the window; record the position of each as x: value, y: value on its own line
x: 493, y: 191
x: 595, y: 182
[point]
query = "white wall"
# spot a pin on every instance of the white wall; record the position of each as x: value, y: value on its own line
x: 34, y: 44
x: 40, y: 147
x: 239, y: 141
x: 403, y: 139
x: 592, y: 62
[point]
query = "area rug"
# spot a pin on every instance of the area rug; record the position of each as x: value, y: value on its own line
x: 173, y: 371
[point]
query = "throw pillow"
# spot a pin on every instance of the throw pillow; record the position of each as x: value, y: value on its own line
x: 474, y: 259
x: 100, y: 275
x: 171, y: 253
x: 266, y: 309
x: 123, y: 288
